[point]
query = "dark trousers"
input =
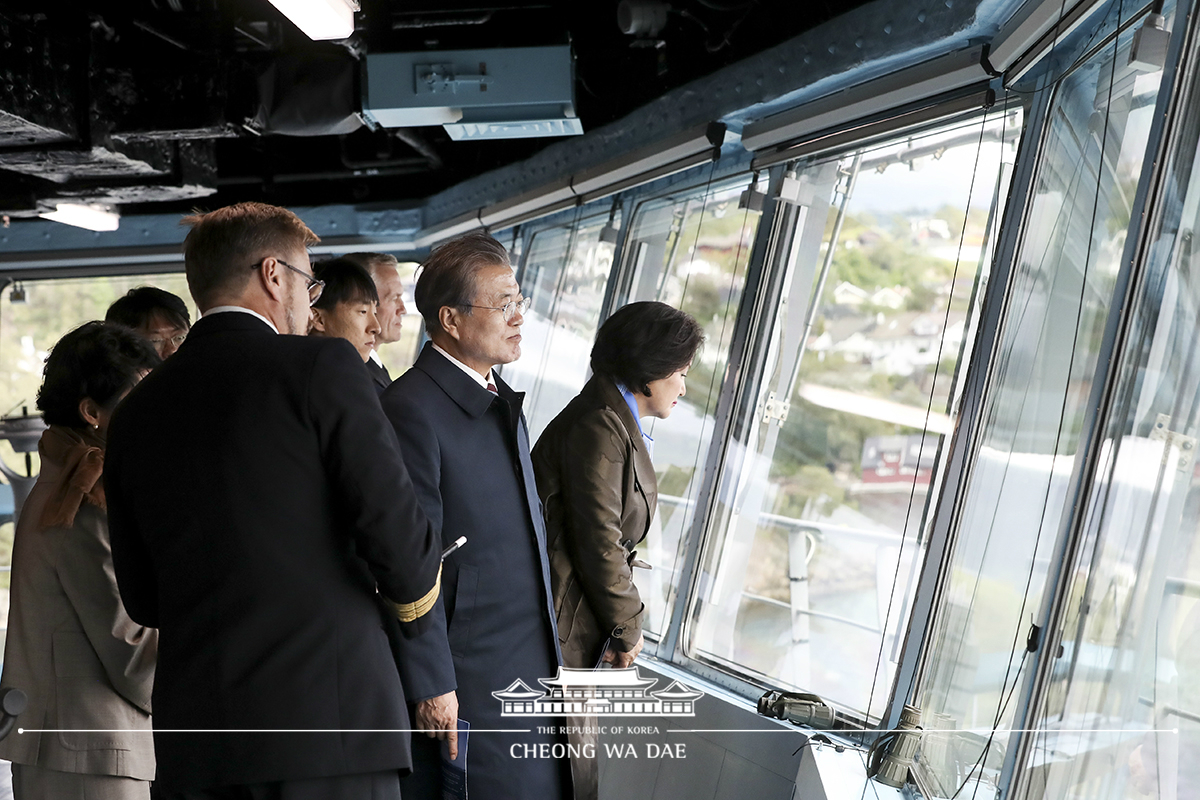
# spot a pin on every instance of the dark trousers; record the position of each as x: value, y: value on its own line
x: 367, y: 786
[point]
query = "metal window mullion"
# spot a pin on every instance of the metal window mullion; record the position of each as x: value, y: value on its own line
x: 761, y: 280
x: 1144, y: 218
x: 620, y: 264
x: 621, y: 278
x: 968, y: 434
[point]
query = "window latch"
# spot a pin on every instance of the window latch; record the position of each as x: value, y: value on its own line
x: 775, y: 409
x: 1185, y: 443
x: 1034, y: 640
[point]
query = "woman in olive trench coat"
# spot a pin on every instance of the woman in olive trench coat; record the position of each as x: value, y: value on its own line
x: 598, y: 488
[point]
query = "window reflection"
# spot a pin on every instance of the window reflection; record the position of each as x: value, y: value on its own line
x: 823, y: 498
x: 28, y: 330
x: 689, y: 251
x: 564, y: 275
x: 1122, y: 712
x: 1016, y: 498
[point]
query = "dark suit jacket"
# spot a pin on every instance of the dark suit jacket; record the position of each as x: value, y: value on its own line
x: 256, y: 497
x: 379, y: 375
x: 599, y: 490
x: 468, y: 454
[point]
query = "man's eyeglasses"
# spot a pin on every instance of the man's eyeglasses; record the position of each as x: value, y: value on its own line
x: 511, y: 308
x: 158, y: 341
x: 315, y: 287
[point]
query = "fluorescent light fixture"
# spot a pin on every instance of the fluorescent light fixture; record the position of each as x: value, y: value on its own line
x: 518, y: 129
x: 688, y: 149
x: 538, y: 213
x: 447, y: 229
x: 320, y: 19
x: 661, y: 171
x: 647, y: 160
x: 940, y: 110
x: 556, y: 194
x: 93, y: 217
x: 1019, y: 65
x: 943, y: 74
x: 1023, y: 32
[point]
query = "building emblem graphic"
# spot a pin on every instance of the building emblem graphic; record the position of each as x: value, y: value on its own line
x: 598, y: 693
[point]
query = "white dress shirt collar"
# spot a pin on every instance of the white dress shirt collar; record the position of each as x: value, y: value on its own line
x: 480, y: 379
x: 242, y: 309
x: 374, y: 356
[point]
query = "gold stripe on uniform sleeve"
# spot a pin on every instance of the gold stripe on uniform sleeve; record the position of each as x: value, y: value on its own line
x: 409, y: 612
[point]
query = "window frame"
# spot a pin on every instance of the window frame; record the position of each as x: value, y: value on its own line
x: 664, y: 645
x: 571, y: 221
x: 754, y: 319
x: 769, y: 262
x: 1149, y: 209
x: 746, y: 358
x: 963, y: 445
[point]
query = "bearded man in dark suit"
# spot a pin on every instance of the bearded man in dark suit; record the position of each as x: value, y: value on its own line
x: 261, y: 518
x: 466, y: 444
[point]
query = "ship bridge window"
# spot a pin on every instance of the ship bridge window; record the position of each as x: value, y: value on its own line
x: 47, y: 309
x: 822, y: 511
x: 691, y: 251
x: 1018, y: 499
x: 564, y: 275
x: 31, y: 321
x: 1128, y: 680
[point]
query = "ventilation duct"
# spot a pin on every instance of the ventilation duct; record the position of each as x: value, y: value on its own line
x: 666, y: 157
x: 503, y: 93
x: 309, y: 95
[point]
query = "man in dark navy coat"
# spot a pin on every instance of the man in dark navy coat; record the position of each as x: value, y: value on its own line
x: 466, y: 444
x: 261, y: 517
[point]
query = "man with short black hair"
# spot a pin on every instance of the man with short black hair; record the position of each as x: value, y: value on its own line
x: 348, y: 306
x: 158, y: 316
x: 260, y: 517
x: 385, y: 271
x: 466, y: 444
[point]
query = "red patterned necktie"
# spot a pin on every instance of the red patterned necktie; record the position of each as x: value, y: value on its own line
x: 492, y: 389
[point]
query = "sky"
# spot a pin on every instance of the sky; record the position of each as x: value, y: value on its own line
x: 933, y: 183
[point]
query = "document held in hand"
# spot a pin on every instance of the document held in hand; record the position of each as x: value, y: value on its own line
x: 454, y: 771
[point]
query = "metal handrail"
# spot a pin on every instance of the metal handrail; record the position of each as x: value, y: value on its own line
x: 826, y: 528
x: 1182, y: 586
x: 809, y: 612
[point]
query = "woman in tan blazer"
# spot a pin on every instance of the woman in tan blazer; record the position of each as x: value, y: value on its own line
x: 84, y: 664
x: 597, y: 483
